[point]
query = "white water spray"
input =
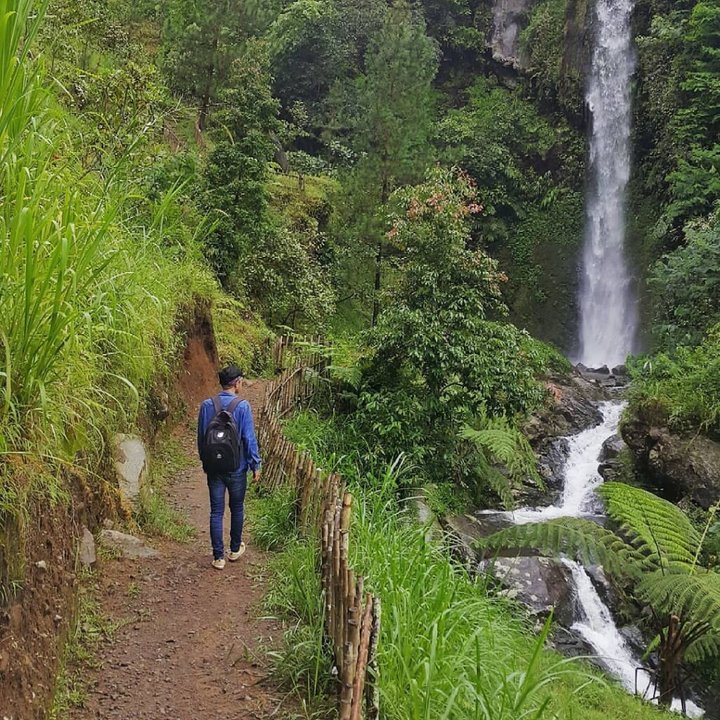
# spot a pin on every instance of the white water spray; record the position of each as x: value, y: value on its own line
x: 581, y: 476
x: 597, y: 628
x: 608, y: 311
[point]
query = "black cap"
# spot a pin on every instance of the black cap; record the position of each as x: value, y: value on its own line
x: 229, y: 375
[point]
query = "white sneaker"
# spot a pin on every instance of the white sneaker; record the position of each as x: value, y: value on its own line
x: 219, y: 564
x: 233, y: 556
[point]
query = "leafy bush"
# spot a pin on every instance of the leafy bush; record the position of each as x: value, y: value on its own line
x: 437, y: 360
x: 686, y: 286
x: 682, y: 387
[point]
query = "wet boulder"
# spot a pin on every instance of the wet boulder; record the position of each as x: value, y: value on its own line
x: 572, y: 408
x: 611, y: 458
x: 543, y: 584
x: 679, y: 465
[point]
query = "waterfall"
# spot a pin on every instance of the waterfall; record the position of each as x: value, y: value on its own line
x: 597, y: 627
x: 608, y: 312
x: 581, y: 475
x: 594, y: 620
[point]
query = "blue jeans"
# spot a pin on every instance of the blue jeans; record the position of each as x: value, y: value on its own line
x: 235, y: 484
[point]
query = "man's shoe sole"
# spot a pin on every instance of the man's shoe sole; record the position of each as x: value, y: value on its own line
x: 237, y: 555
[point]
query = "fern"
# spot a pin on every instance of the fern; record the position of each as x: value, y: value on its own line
x: 657, y: 528
x: 695, y: 597
x: 504, y: 456
x: 656, y: 548
x: 572, y: 537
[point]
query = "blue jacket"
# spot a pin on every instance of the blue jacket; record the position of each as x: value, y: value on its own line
x: 249, y: 452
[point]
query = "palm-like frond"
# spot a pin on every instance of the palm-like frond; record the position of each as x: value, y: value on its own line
x: 573, y: 537
x: 498, y: 443
x: 706, y: 646
x: 694, y: 596
x: 656, y: 527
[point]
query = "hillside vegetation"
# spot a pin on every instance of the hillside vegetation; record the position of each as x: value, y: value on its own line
x: 379, y: 173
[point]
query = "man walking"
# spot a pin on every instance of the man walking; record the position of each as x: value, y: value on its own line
x: 228, y: 448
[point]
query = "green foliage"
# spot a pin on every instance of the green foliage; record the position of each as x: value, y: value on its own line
x: 304, y: 664
x: 388, y: 112
x: 89, y: 631
x: 545, y: 42
x: 436, y: 359
x: 656, y: 547
x: 242, y: 338
x: 273, y: 519
x: 681, y: 387
x: 154, y: 513
x: 200, y: 41
x: 688, y: 280
x: 156, y: 517
x: 503, y: 455
x: 94, y: 273
x: 448, y: 648
x: 500, y: 138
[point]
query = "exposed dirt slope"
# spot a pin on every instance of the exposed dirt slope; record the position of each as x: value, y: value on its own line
x: 190, y: 645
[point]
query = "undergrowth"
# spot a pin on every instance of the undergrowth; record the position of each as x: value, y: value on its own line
x: 154, y: 514
x: 91, y: 628
x: 449, y: 647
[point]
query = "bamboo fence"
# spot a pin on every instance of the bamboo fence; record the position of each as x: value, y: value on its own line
x: 324, y: 509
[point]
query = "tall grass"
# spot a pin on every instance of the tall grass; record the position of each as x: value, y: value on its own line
x: 89, y: 297
x: 449, y: 648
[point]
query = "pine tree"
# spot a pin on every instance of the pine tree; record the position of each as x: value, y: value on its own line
x: 388, y: 111
x: 200, y: 41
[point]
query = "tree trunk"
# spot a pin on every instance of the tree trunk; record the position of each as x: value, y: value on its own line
x: 384, y: 197
x: 671, y: 655
x: 378, y: 282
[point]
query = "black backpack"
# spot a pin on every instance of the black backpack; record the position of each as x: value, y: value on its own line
x: 221, y: 448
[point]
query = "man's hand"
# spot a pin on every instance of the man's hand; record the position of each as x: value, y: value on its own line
x: 256, y: 475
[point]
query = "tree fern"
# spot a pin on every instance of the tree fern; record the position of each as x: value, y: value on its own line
x: 573, y: 537
x: 657, y: 528
x: 657, y: 548
x: 504, y: 457
x: 695, y: 597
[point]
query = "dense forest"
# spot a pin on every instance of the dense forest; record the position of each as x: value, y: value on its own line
x: 407, y: 180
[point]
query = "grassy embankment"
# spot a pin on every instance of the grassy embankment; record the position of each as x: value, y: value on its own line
x: 450, y: 647
x: 97, y: 279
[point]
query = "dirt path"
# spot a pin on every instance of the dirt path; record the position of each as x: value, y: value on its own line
x: 190, y: 644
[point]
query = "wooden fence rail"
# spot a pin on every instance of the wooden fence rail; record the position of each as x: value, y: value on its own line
x: 323, y: 510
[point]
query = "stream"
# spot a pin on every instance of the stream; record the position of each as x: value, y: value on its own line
x: 594, y: 622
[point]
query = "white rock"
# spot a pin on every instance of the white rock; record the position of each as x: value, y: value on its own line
x: 131, y: 464
x: 87, y: 555
x: 128, y: 545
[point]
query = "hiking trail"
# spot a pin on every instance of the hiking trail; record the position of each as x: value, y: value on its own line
x: 191, y: 642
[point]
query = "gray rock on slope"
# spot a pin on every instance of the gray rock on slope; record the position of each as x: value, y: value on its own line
x: 678, y: 465
x: 86, y: 554
x: 510, y: 17
x: 127, y: 545
x: 131, y: 465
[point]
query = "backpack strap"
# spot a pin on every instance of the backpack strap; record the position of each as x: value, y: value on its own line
x: 233, y: 404
x: 217, y: 404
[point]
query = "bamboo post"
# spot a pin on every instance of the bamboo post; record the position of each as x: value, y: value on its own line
x: 372, y: 690
x: 362, y: 659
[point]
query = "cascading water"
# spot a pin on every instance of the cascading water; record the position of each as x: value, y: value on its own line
x: 594, y: 621
x: 580, y: 473
x: 608, y: 312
